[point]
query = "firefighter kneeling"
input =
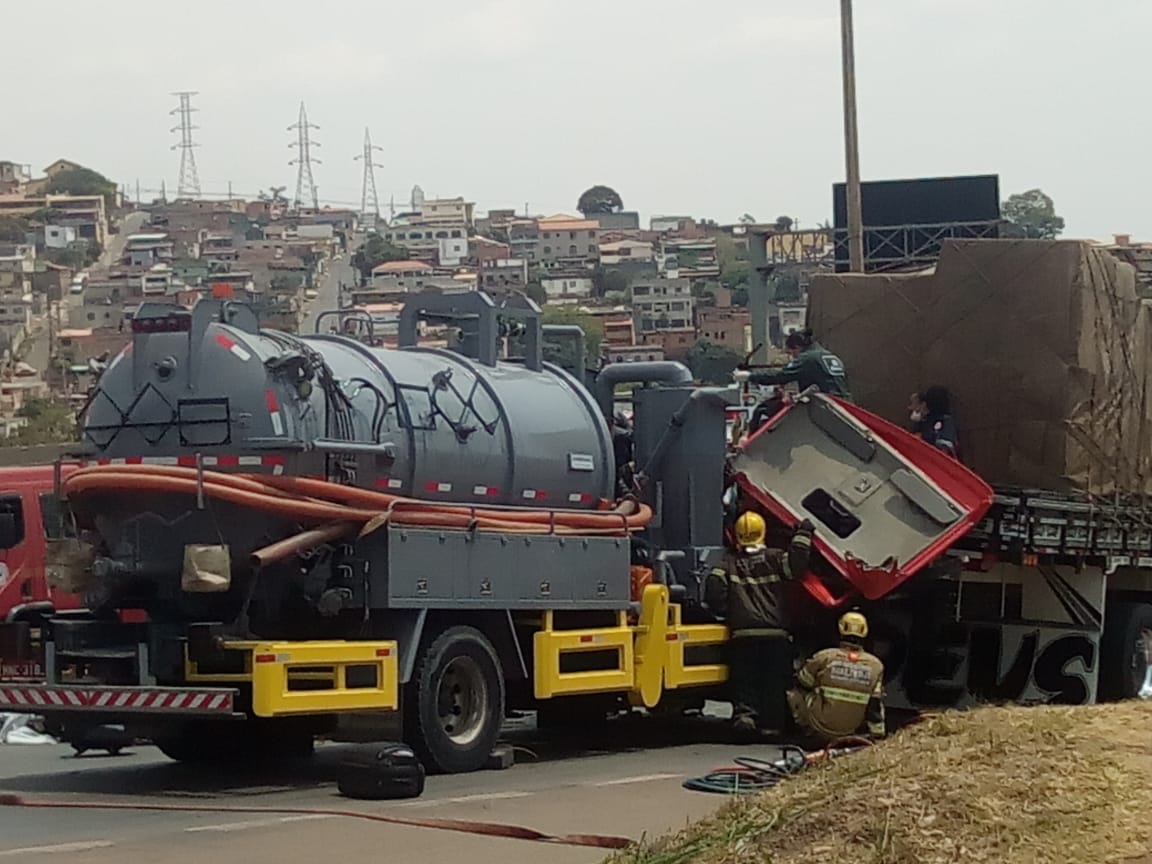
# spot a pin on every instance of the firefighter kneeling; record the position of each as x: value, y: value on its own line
x: 749, y: 594
x: 840, y: 689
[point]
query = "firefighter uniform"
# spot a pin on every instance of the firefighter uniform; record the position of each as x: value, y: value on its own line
x: 749, y: 593
x: 840, y: 690
x: 814, y: 366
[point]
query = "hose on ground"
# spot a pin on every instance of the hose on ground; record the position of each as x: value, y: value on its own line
x: 755, y: 775
x: 317, y: 502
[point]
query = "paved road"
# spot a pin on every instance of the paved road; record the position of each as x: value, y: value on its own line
x: 626, y: 784
x: 339, y: 270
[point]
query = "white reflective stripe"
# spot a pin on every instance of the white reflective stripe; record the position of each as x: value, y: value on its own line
x: 393, y: 483
x: 119, y: 700
x: 277, y: 423
x: 530, y: 494
x: 53, y: 697
x: 104, y: 697
x: 198, y: 700
x: 251, y: 460
x: 278, y: 468
x: 240, y: 352
x: 218, y: 702
x: 479, y: 490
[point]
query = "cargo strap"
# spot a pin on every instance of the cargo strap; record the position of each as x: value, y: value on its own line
x: 490, y: 829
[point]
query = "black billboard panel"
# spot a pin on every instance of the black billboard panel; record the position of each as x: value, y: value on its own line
x: 944, y: 207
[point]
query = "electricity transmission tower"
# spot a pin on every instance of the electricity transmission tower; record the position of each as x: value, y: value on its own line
x: 188, y: 185
x: 305, y: 184
x: 368, y: 191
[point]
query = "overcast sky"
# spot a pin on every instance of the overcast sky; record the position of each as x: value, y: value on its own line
x: 707, y: 109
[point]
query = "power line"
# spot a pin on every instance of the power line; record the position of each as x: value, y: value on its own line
x: 304, y: 144
x: 188, y: 186
x: 368, y: 190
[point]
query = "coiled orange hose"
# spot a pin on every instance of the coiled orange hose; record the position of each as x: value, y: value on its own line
x: 315, y: 502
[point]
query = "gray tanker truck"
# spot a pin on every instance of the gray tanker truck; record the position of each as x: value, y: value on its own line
x: 270, y: 531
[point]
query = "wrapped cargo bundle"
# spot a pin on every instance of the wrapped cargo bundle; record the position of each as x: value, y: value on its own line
x: 1044, y: 345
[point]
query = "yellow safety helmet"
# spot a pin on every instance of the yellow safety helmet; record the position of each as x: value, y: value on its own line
x: 750, y: 529
x: 853, y: 624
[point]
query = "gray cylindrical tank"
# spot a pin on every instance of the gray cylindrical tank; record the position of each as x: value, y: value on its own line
x: 423, y: 422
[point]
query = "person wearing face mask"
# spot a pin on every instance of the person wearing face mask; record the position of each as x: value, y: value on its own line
x: 931, y: 416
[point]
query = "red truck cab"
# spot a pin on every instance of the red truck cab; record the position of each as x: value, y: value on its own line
x: 28, y: 517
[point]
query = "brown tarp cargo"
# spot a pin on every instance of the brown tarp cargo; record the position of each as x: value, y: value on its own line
x: 1044, y: 345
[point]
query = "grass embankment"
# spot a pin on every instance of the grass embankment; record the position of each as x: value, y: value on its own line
x: 1004, y: 785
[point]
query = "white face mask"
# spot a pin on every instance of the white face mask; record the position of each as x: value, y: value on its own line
x: 916, y: 416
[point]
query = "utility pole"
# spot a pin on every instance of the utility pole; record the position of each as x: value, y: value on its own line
x: 188, y: 185
x: 368, y: 188
x: 305, y: 184
x: 851, y: 141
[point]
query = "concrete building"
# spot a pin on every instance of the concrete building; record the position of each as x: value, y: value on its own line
x: 663, y: 224
x: 625, y: 220
x: 662, y: 304
x: 688, y: 259
x: 567, y: 240
x: 446, y: 211
x: 146, y: 250
x: 631, y: 353
x: 730, y: 327
x: 621, y: 252
x: 59, y: 236
x: 423, y: 241
x: 675, y: 342
x: 560, y: 285
x: 501, y: 275
x: 13, y: 177
x: 402, y: 277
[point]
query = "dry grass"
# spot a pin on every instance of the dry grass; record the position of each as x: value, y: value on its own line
x: 1005, y: 785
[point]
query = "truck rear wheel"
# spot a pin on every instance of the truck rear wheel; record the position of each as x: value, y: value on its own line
x: 1126, y: 652
x: 454, y: 705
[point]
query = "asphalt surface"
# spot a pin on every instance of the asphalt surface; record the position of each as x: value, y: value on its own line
x: 624, y: 782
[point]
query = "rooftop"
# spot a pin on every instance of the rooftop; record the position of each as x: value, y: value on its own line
x: 401, y: 266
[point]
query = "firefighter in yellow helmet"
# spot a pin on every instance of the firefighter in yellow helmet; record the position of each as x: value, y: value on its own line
x: 840, y: 690
x: 749, y: 593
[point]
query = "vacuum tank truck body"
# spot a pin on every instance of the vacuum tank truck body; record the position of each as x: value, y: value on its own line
x: 314, y: 526
x: 271, y: 531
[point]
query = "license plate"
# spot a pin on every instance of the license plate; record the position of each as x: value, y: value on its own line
x: 30, y: 669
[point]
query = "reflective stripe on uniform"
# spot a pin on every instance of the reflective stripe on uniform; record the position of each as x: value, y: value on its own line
x: 838, y: 694
x: 877, y: 729
x: 736, y: 579
x: 805, y: 678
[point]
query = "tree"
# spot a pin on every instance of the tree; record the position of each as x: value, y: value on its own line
x: 711, y: 363
x: 747, y: 219
x: 1031, y: 215
x: 784, y: 223
x: 536, y: 293
x: 83, y: 181
x: 785, y: 285
x: 740, y: 295
x: 592, y: 326
x: 600, y: 199
x: 48, y: 423
x: 12, y: 230
x: 375, y: 251
x: 609, y: 282
x: 283, y: 282
x: 734, y: 267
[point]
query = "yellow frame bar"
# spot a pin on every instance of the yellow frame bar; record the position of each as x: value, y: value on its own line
x: 273, y: 664
x: 677, y: 673
x: 550, y: 644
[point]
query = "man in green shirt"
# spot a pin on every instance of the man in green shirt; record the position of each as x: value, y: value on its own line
x: 811, y: 365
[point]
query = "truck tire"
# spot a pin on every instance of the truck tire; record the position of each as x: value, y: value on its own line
x: 454, y: 705
x: 1125, y: 649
